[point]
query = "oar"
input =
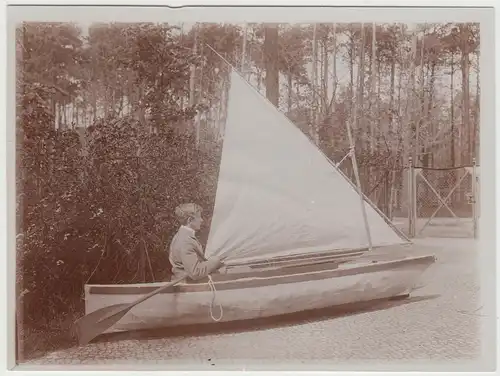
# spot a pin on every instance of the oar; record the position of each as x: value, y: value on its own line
x: 95, y: 323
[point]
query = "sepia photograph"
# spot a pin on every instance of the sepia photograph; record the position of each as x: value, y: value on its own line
x: 252, y: 188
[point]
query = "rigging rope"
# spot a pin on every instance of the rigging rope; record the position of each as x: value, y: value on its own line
x: 211, y: 284
x: 350, y: 153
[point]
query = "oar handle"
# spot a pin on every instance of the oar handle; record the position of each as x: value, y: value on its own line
x: 158, y: 290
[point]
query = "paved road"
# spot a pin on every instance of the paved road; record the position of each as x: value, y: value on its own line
x: 439, y: 322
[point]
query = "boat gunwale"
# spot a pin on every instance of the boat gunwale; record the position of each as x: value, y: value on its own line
x: 255, y: 282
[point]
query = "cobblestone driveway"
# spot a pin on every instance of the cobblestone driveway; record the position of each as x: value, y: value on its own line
x: 439, y: 322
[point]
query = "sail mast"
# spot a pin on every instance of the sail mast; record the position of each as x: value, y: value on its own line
x: 352, y: 152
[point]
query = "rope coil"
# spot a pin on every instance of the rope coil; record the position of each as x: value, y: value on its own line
x: 211, y: 284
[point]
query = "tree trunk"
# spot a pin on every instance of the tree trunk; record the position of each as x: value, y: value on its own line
x: 410, y: 136
x: 77, y: 120
x: 314, y: 85
x: 352, y: 50
x: 244, y: 52
x: 465, y: 95
x: 324, y: 78
x: 192, y: 85
x: 325, y: 108
x: 60, y: 116
x: 333, y: 99
x: 452, y: 112
x: 358, y: 97
x: 420, y: 124
x: 372, y: 90
x: 334, y: 58
x: 478, y: 113
x: 199, y: 99
x: 408, y: 123
x: 259, y: 79
x: 361, y: 87
x: 290, y: 88
x: 430, y: 106
x: 94, y: 102
x: 377, y: 114
x: 271, y: 63
x: 106, y: 100
x: 392, y: 93
x: 64, y: 108
x: 400, y: 87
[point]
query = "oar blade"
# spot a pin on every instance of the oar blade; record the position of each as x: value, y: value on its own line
x: 95, y: 323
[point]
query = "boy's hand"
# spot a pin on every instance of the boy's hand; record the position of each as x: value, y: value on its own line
x: 223, y: 269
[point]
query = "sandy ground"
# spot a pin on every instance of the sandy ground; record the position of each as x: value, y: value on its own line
x: 439, y: 227
x: 440, y: 322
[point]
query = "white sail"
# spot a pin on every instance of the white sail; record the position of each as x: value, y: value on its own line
x: 278, y: 194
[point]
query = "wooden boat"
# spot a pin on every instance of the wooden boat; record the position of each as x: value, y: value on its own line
x: 290, y: 226
x: 244, y: 296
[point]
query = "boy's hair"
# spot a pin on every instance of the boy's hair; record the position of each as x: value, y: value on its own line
x: 185, y: 212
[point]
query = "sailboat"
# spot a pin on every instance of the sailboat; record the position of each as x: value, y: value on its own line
x: 290, y: 226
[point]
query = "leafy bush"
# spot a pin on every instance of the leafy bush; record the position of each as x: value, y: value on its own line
x: 96, y: 205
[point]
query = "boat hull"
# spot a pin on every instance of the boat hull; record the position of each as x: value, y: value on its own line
x: 251, y: 298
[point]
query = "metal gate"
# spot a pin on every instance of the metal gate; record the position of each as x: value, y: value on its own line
x: 444, y: 202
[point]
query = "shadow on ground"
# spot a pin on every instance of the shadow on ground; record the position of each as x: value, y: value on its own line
x: 262, y: 323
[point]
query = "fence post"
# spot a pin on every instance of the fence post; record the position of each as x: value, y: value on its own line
x: 411, y: 217
x: 414, y: 174
x: 474, y: 198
